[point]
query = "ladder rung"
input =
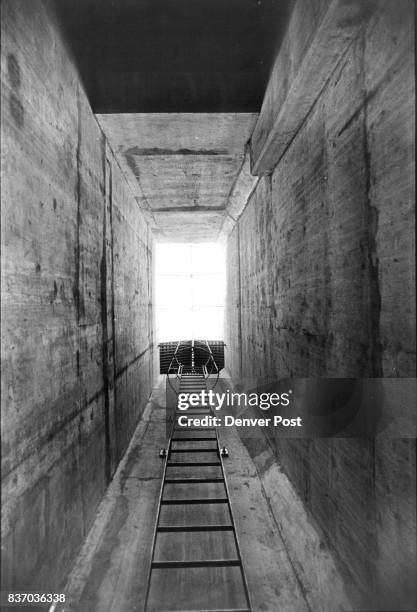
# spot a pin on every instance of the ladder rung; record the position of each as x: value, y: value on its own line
x: 195, y: 528
x: 192, y: 409
x: 204, y: 500
x: 193, y: 382
x: 212, y: 610
x: 208, y: 563
x: 192, y: 385
x: 194, y: 413
x: 194, y: 450
x: 182, y: 428
x: 193, y: 440
x: 192, y: 480
x: 192, y: 463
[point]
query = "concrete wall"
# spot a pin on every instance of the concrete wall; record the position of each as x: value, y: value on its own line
x: 322, y: 262
x: 76, y: 304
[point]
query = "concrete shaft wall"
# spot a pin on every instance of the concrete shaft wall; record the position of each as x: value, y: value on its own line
x: 76, y: 304
x: 321, y: 282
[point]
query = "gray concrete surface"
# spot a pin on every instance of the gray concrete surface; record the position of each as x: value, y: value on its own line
x: 76, y: 304
x: 321, y: 283
x: 181, y: 167
x: 110, y: 573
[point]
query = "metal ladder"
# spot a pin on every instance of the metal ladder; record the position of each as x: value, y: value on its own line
x: 196, y: 563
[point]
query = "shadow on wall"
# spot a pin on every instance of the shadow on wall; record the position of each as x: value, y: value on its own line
x: 353, y: 466
x: 340, y: 407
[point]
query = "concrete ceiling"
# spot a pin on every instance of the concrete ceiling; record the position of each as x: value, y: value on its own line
x: 182, y: 167
x: 175, y: 85
x: 174, y: 55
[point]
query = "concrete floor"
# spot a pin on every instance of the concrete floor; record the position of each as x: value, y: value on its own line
x: 110, y: 573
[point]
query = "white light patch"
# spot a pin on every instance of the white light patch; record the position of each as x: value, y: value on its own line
x: 190, y: 284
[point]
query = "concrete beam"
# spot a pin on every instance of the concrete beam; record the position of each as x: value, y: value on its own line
x: 188, y: 226
x: 180, y: 162
x: 239, y: 195
x: 318, y: 36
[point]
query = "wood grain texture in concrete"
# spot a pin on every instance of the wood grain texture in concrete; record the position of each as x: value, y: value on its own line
x: 288, y: 566
x: 321, y: 283
x: 76, y: 304
x: 181, y: 166
x: 111, y: 571
x: 318, y: 36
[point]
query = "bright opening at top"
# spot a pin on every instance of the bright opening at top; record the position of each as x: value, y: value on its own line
x: 190, y: 291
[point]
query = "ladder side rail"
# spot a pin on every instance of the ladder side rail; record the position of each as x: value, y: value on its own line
x: 245, y: 584
x: 155, y: 531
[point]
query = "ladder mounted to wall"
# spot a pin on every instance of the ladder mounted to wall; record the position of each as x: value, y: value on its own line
x: 196, y: 563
